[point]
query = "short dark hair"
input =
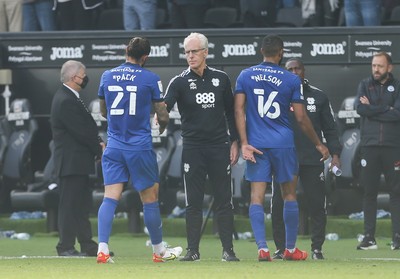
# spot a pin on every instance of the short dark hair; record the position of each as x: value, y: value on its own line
x: 271, y: 45
x: 138, y: 47
x: 383, y: 53
x: 298, y: 60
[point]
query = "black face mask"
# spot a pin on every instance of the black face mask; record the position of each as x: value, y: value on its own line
x: 85, y: 81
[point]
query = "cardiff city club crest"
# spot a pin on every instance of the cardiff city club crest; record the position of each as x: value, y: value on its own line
x: 215, y: 82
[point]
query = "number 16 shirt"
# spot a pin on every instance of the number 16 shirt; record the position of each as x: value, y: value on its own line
x: 269, y: 91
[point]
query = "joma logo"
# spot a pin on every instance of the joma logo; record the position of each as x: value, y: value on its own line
x: 327, y: 49
x: 238, y: 50
x: 159, y: 51
x: 66, y: 53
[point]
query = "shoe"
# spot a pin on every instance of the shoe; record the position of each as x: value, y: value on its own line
x: 71, y: 253
x: 170, y: 254
x: 229, y: 256
x: 368, y: 243
x: 191, y: 256
x: 263, y: 255
x: 396, y: 242
x: 317, y: 255
x: 297, y: 255
x: 278, y: 254
x: 104, y: 258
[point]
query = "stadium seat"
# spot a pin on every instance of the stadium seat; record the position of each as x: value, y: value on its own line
x: 41, y: 195
x: 111, y: 19
x: 289, y: 17
x: 220, y: 17
x: 255, y: 13
x: 17, y: 169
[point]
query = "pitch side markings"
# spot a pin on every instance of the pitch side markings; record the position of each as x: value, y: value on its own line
x: 379, y: 259
x: 39, y: 257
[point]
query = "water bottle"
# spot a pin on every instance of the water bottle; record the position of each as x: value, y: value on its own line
x: 21, y: 236
x: 332, y: 236
x: 335, y: 170
x: 245, y: 235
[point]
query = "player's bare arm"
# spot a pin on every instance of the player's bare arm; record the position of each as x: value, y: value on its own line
x: 103, y: 108
x: 162, y: 115
x: 240, y: 119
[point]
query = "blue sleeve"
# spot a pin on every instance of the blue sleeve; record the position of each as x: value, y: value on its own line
x: 100, y: 93
x: 157, y: 89
x: 297, y: 88
x: 239, y: 84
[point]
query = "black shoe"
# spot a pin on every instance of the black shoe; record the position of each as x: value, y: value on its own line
x: 317, y: 255
x: 368, y: 243
x: 229, y: 256
x: 395, y: 242
x: 191, y: 256
x: 278, y: 254
x: 71, y: 253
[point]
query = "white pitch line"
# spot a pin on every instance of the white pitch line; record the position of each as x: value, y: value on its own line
x: 379, y: 259
x: 38, y: 257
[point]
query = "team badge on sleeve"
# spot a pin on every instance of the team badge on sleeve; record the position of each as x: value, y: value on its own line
x: 160, y: 87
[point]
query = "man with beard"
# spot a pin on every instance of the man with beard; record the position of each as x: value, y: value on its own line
x: 378, y: 103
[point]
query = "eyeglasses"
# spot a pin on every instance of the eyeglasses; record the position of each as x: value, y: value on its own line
x: 194, y: 51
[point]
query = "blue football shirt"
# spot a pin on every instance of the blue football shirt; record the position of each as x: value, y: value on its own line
x: 129, y: 91
x: 269, y: 91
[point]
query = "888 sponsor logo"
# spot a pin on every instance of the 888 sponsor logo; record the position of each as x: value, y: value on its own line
x: 206, y: 100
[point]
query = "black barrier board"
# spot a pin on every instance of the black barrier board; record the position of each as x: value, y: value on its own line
x: 363, y: 47
x: 236, y: 47
x: 322, y: 49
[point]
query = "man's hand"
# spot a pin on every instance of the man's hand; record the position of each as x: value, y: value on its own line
x: 234, y: 153
x: 324, y: 151
x: 364, y: 100
x: 335, y: 161
x: 103, y: 146
x: 248, y: 152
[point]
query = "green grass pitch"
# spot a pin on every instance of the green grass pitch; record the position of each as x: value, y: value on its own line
x: 36, y: 258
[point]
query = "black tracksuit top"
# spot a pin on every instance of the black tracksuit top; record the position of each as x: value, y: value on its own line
x: 205, y: 105
x: 320, y: 112
x: 380, y: 120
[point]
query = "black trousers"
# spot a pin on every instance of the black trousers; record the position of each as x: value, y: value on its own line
x: 313, y: 184
x: 376, y: 160
x: 197, y: 164
x: 73, y: 214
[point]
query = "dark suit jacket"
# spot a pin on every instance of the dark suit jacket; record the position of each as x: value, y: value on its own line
x: 75, y: 135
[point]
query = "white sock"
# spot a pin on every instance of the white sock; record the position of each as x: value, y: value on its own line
x: 264, y: 249
x: 103, y: 247
x: 159, y: 249
x: 291, y: 250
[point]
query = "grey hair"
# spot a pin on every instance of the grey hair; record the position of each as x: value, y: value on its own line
x: 69, y: 69
x: 203, y: 39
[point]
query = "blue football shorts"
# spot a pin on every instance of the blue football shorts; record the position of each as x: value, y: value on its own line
x: 280, y: 162
x: 140, y: 166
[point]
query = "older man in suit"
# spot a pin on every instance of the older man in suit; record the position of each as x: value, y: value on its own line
x: 76, y: 145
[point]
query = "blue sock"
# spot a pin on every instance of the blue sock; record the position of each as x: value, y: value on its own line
x: 152, y: 220
x: 256, y: 214
x: 105, y: 219
x: 291, y: 218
